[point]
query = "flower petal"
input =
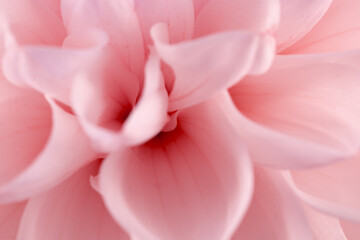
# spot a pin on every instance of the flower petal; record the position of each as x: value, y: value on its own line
x: 324, y: 226
x: 207, y: 65
x: 338, y: 30
x: 53, y: 164
x: 298, y: 17
x: 246, y: 15
x: 331, y: 189
x: 45, y: 27
x: 194, y: 182
x: 52, y: 69
x: 178, y: 15
x: 10, y: 216
x: 306, y: 106
x: 145, y: 120
x: 71, y: 211
x: 351, y: 230
x: 275, y: 212
x: 117, y: 18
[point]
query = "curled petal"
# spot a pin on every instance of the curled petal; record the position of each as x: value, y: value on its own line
x: 189, y: 183
x: 208, y: 65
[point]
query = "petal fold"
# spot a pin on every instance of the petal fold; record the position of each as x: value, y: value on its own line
x: 189, y: 183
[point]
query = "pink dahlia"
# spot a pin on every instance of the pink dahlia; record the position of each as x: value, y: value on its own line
x: 183, y: 119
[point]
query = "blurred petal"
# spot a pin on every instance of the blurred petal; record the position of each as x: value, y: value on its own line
x: 52, y: 69
x: 71, y: 211
x: 308, y: 106
x: 338, y: 30
x: 208, y: 65
x: 298, y: 17
x: 178, y: 15
x: 246, y: 15
x: 194, y: 182
x: 146, y: 119
x: 67, y: 149
x: 117, y: 18
x: 275, y: 212
x: 45, y: 27
x: 351, y: 230
x: 10, y: 216
x: 324, y: 226
x: 332, y: 189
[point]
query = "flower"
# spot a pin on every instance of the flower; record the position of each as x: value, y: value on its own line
x: 117, y: 122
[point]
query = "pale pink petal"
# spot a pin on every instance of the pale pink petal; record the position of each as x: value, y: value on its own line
x: 189, y: 183
x: 275, y: 212
x: 351, y: 230
x: 71, y: 211
x: 207, y: 65
x: 178, y: 15
x: 36, y: 21
x: 306, y: 106
x: 66, y: 150
x: 101, y: 113
x: 52, y: 69
x: 332, y: 189
x: 198, y: 5
x: 298, y: 17
x: 10, y: 216
x: 338, y: 30
x: 117, y: 18
x: 24, y: 128
x: 324, y: 227
x: 225, y: 15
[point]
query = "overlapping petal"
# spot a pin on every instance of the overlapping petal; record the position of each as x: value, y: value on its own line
x: 118, y: 19
x: 189, y: 183
x: 306, y: 106
x: 103, y: 109
x: 275, y: 212
x: 39, y: 162
x: 338, y: 30
x: 208, y: 65
x: 247, y: 15
x: 341, y: 199
x: 71, y: 211
x: 53, y: 69
x: 10, y: 216
x: 178, y: 15
x: 297, y: 18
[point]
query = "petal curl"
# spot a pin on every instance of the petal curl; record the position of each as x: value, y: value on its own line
x: 190, y: 183
x: 208, y: 65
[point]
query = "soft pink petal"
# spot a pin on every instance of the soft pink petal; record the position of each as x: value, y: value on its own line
x: 25, y: 124
x: 52, y: 69
x: 248, y: 15
x: 351, y: 230
x: 71, y: 211
x: 10, y: 216
x: 178, y: 15
x: 198, y: 5
x: 275, y: 212
x: 207, y: 65
x: 145, y: 120
x: 117, y: 18
x: 298, y: 17
x: 66, y: 150
x: 338, y: 30
x: 324, y: 226
x: 304, y: 106
x: 331, y: 189
x: 36, y: 21
x: 189, y: 183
